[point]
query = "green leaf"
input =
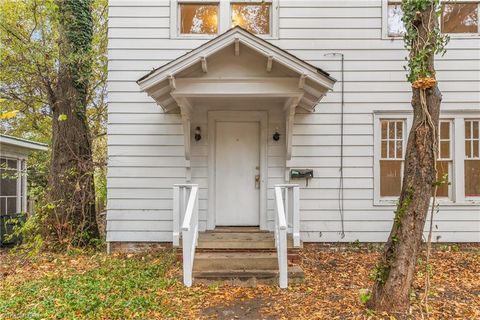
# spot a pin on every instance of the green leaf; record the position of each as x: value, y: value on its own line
x: 62, y: 117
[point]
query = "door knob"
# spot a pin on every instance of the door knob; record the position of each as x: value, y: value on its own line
x: 257, y: 181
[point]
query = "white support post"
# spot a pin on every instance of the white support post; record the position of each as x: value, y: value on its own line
x: 282, y: 257
x: 296, y: 216
x: 176, y: 216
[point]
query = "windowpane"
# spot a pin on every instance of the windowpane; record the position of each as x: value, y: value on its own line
x: 475, y: 129
x: 445, y: 149
x: 252, y: 17
x: 391, y: 149
x: 198, y: 19
x: 390, y: 178
x: 395, y: 26
x: 384, y: 129
x: 400, y: 130
x: 442, y: 170
x: 391, y: 130
x: 475, y: 149
x: 460, y: 18
x: 444, y: 130
x: 472, y: 178
x: 468, y: 129
x: 384, y: 149
x: 399, y: 150
x: 468, y: 149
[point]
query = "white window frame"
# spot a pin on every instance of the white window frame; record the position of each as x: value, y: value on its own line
x: 224, y: 18
x: 468, y: 198
x: 377, y: 149
x: 457, y: 152
x: 385, y: 35
x: 21, y: 193
x: 448, y: 198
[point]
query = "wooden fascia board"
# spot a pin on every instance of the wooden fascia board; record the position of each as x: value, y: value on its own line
x: 261, y: 46
x: 265, y: 87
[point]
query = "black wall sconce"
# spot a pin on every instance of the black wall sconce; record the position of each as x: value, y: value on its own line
x: 276, y: 136
x: 198, y: 135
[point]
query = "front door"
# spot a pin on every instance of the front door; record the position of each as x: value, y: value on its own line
x: 237, y: 173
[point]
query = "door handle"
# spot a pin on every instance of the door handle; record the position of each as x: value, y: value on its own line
x: 257, y: 181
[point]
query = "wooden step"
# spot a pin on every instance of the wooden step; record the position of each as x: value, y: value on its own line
x: 295, y: 275
x: 218, y: 261
x: 238, y: 241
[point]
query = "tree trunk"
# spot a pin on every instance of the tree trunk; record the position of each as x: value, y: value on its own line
x: 395, y: 271
x: 73, y: 220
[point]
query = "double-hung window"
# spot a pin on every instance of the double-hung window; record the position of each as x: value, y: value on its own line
x: 391, y: 157
x: 472, y: 158
x: 444, y: 158
x: 12, y: 186
x: 194, y: 18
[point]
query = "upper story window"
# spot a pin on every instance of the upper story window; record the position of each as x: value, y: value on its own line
x: 195, y: 18
x: 252, y: 17
x: 458, y: 17
x: 198, y: 18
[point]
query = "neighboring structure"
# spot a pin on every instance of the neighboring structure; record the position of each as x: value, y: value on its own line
x: 13, y: 178
x: 237, y: 113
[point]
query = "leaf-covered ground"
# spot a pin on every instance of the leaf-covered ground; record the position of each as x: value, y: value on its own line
x: 86, y: 286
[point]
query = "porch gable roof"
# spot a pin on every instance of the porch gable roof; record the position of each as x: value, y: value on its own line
x: 305, y: 90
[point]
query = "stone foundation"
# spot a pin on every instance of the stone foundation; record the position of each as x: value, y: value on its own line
x: 137, y: 247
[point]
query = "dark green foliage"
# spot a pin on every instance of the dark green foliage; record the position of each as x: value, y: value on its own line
x: 418, y: 62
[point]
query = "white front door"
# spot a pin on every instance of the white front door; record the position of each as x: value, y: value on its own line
x: 237, y: 164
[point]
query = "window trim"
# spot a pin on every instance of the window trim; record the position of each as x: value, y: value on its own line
x: 377, y: 150
x: 224, y: 18
x: 385, y: 35
x: 457, y: 118
x: 474, y: 199
x: 21, y: 193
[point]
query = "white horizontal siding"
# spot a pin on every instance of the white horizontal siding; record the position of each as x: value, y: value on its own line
x: 146, y: 154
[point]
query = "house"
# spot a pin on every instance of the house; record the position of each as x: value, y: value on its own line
x: 280, y: 117
x: 13, y: 178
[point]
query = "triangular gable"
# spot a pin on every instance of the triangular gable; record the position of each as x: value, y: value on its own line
x: 160, y: 83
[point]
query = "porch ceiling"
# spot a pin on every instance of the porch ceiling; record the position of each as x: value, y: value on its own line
x: 236, y: 64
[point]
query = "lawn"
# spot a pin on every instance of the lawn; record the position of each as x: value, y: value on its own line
x: 97, y: 286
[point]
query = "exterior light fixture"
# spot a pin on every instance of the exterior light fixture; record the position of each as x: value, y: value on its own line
x: 276, y: 136
x: 198, y: 135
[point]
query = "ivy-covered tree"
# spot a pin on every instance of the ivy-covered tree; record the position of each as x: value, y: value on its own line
x: 394, y: 273
x: 52, y: 74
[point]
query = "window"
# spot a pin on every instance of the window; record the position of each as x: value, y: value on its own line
x: 391, y: 158
x: 395, y: 26
x: 198, y: 18
x: 252, y: 17
x: 460, y: 17
x: 207, y: 18
x: 444, y: 158
x: 472, y: 158
x: 12, y: 186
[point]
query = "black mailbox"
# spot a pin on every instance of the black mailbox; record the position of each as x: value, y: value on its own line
x: 301, y: 174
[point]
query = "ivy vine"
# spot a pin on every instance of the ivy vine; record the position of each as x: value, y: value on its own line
x: 422, y: 49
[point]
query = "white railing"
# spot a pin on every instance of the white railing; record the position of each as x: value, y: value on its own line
x: 287, y: 220
x: 185, y: 209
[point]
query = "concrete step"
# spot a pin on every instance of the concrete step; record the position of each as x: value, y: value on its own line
x: 295, y: 275
x: 218, y: 261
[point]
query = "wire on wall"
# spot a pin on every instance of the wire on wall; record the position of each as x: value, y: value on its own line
x: 341, y: 187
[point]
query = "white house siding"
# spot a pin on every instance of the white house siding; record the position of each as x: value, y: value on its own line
x: 146, y: 154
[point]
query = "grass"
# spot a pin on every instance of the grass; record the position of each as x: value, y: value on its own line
x: 94, y: 288
x: 86, y: 285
